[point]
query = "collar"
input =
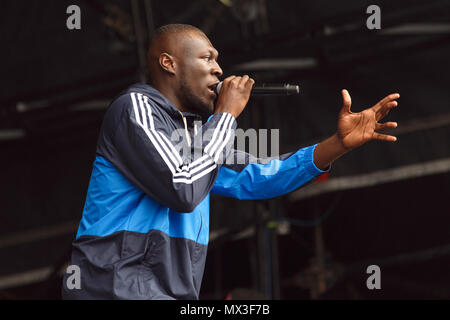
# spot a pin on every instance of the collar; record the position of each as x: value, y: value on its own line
x: 162, y: 101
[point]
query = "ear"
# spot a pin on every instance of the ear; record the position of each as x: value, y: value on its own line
x: 167, y: 62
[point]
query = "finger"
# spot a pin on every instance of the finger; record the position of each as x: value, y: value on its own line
x: 384, y: 137
x: 386, y: 100
x: 250, y: 83
x: 384, y: 110
x: 389, y: 105
x: 243, y: 80
x: 346, y: 101
x: 227, y: 80
x: 386, y: 125
x: 389, y: 98
x: 235, y: 81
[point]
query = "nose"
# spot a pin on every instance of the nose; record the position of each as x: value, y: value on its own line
x: 216, y: 70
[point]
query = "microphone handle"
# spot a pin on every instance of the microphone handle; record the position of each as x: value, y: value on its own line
x: 285, y: 89
x: 277, y: 90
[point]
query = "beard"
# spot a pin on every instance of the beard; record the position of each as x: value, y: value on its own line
x: 192, y: 102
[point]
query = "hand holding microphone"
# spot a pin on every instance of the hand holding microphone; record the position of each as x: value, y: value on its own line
x: 234, y: 94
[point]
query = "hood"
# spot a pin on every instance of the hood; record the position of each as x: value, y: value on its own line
x: 158, y: 98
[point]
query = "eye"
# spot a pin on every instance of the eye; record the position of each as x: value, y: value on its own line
x: 207, y: 58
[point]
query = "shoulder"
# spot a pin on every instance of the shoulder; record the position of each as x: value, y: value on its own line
x: 129, y: 103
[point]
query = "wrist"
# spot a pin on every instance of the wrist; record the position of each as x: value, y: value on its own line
x: 225, y: 111
x: 328, y: 151
x: 338, y: 141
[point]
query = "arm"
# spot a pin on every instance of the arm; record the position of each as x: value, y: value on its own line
x: 247, y: 177
x: 260, y: 179
x: 140, y: 146
x: 136, y: 138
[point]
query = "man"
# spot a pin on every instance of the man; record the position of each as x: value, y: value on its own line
x: 145, y: 225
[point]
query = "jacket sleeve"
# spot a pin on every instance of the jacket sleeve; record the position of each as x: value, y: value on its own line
x: 141, y: 146
x: 246, y: 177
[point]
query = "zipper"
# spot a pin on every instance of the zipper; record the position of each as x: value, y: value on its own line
x: 201, y: 224
x: 188, y: 136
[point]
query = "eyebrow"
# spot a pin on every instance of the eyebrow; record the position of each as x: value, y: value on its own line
x: 214, y: 52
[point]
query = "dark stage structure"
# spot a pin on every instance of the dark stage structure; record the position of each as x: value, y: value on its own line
x: 384, y: 204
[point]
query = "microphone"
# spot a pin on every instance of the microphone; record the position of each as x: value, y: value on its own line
x: 269, y: 89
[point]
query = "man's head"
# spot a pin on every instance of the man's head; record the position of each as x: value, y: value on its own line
x: 183, y: 66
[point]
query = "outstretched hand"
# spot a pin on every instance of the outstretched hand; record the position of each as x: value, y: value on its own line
x: 355, y: 129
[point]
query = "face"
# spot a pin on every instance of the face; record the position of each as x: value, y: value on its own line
x: 198, y: 74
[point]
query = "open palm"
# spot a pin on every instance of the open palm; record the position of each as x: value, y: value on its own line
x: 355, y: 129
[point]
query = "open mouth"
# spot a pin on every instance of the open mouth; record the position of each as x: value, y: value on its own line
x: 212, y: 88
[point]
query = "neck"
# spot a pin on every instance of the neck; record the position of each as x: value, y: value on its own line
x: 167, y: 91
x: 170, y: 94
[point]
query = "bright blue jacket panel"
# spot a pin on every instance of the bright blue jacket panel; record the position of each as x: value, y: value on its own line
x: 114, y: 204
x: 268, y: 180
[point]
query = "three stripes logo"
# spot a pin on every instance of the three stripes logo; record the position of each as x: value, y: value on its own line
x: 183, y: 173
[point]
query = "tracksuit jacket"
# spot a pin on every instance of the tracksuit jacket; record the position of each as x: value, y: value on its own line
x: 145, y: 225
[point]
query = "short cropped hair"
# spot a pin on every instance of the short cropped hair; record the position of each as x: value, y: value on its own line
x: 167, y: 30
x: 174, y: 28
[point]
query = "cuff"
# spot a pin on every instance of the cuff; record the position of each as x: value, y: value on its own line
x: 310, y: 165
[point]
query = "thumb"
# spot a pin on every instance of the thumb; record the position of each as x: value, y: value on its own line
x: 346, y: 101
